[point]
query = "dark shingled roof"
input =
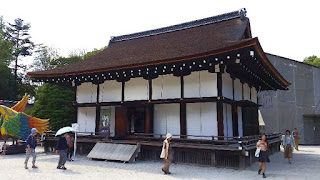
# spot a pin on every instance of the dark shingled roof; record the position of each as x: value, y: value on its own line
x: 181, y: 41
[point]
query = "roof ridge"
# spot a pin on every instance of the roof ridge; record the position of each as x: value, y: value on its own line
x: 200, y: 22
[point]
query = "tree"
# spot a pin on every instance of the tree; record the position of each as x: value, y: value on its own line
x: 55, y: 103
x: 45, y: 58
x: 18, y: 34
x: 6, y: 82
x: 6, y: 77
x: 6, y: 47
x: 313, y: 60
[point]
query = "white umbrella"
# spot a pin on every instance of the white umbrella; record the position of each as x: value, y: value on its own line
x: 64, y: 130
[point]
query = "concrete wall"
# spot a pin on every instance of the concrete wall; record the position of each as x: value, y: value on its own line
x: 283, y: 110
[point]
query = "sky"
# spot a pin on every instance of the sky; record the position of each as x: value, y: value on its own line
x: 285, y: 28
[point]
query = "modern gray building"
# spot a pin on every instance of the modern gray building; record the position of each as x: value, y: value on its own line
x: 297, y: 107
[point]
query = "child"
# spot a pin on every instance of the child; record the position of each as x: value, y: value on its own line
x: 62, y: 147
x: 30, y: 148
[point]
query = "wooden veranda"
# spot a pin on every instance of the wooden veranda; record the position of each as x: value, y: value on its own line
x: 216, y: 151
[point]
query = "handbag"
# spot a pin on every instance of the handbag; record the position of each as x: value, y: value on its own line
x: 256, y: 154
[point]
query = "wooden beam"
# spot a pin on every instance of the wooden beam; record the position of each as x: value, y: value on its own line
x: 183, y: 118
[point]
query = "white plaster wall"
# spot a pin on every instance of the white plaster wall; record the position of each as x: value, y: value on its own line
x: 237, y: 90
x: 171, y: 87
x: 208, y: 84
x: 227, y: 120
x: 166, y: 87
x: 227, y: 90
x: 112, y: 120
x: 246, y: 92
x: 136, y: 89
x: 157, y: 88
x: 192, y: 85
x: 254, y: 95
x: 240, y: 125
x: 110, y: 91
x: 193, y: 120
x: 87, y: 93
x: 86, y: 119
x: 209, y: 119
x: 167, y: 119
x: 202, y: 120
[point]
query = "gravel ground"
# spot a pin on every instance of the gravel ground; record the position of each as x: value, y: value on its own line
x: 305, y: 165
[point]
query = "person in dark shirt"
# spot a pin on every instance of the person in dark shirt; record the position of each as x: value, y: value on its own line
x: 61, y: 149
x: 31, y: 145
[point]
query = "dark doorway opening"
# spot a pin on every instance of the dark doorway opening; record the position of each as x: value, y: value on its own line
x: 136, y: 120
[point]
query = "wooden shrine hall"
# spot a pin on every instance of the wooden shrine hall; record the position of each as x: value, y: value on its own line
x: 196, y: 80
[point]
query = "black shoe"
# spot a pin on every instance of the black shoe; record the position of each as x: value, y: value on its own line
x: 58, y: 167
x: 165, y: 172
x: 263, y: 175
x: 259, y: 171
x: 168, y: 172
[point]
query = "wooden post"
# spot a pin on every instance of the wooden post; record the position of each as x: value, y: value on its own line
x: 98, y: 110
x: 235, y: 120
x: 121, y: 121
x: 75, y: 119
x: 220, y: 105
x: 183, y: 118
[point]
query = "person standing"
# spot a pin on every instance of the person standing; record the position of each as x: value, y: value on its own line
x: 288, y: 145
x: 167, y: 154
x: 31, y: 145
x: 263, y: 155
x: 61, y: 149
x: 296, y: 137
x: 70, y: 140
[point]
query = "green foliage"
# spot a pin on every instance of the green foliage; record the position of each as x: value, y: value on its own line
x: 18, y: 34
x: 55, y: 103
x: 94, y: 52
x: 62, y: 61
x: 6, y: 47
x: 313, y: 60
x: 44, y: 60
x: 6, y: 83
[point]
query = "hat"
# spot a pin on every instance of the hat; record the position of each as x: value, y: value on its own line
x: 34, y: 130
x: 169, y: 135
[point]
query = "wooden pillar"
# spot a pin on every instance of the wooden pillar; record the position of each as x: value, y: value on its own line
x: 220, y: 105
x: 182, y: 87
x: 98, y: 110
x: 183, y: 119
x: 122, y: 91
x: 150, y: 89
x: 235, y: 120
x: 75, y: 118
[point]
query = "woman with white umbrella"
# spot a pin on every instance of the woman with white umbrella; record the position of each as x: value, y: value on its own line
x: 62, y: 146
